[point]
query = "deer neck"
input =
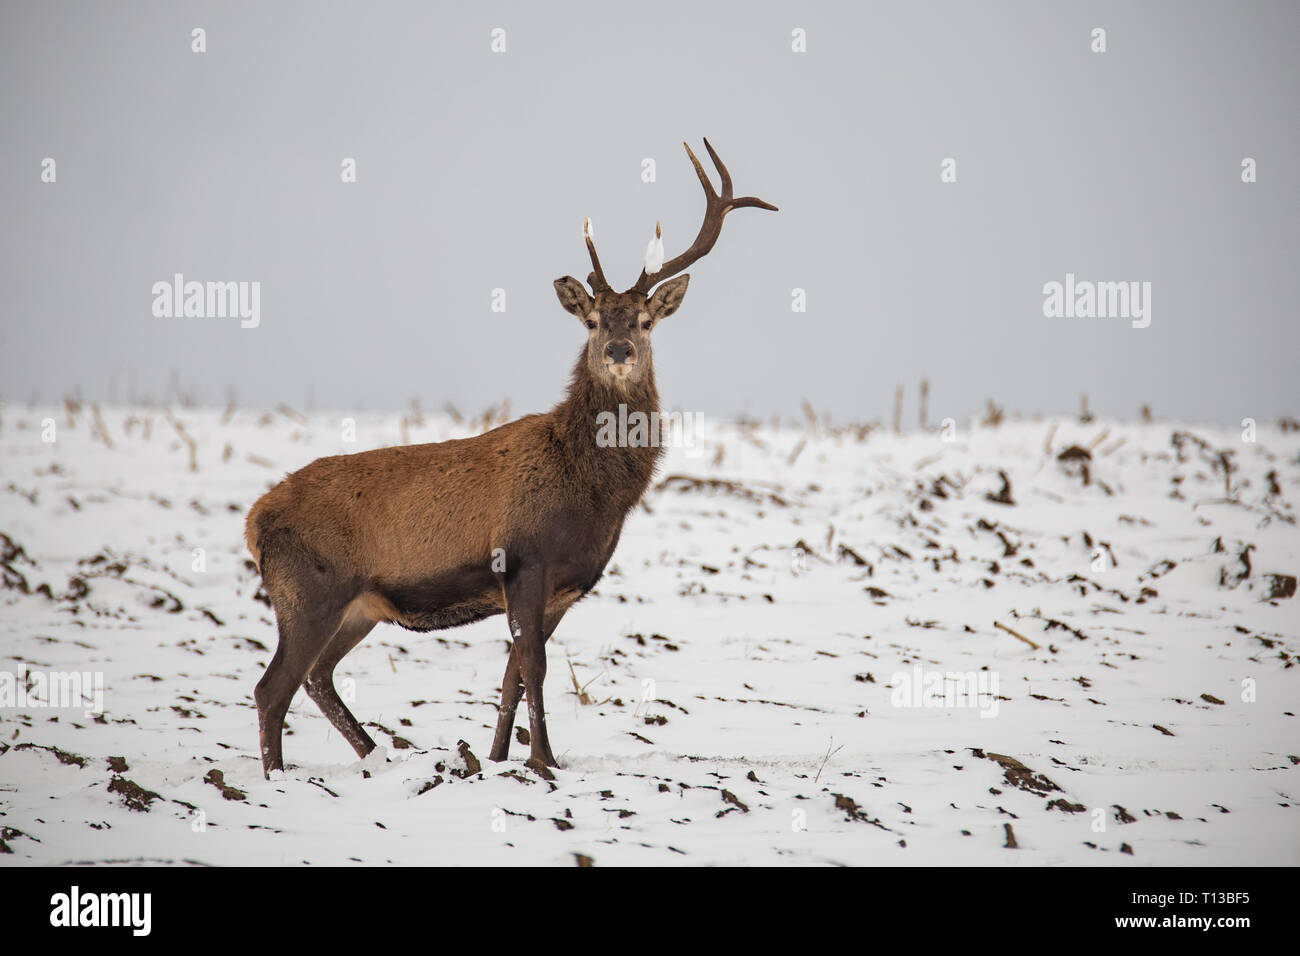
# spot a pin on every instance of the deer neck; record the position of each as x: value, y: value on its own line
x: 598, y: 424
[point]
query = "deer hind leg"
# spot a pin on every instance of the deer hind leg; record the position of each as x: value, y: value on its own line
x: 309, y: 603
x: 512, y: 689
x: 304, y: 633
x: 320, y: 682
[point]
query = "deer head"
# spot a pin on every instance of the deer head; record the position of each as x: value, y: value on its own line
x: 619, y: 323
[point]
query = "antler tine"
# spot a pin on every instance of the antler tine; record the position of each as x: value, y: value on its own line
x: 722, y: 169
x: 597, y: 277
x: 699, y: 170
x: 727, y: 194
x: 715, y: 210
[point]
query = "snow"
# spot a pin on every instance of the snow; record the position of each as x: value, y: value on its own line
x: 738, y: 696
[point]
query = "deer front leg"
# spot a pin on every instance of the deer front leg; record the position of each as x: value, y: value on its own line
x: 512, y: 689
x: 534, y: 671
x: 526, y: 611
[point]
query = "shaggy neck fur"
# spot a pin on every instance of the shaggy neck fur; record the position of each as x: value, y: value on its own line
x: 616, y: 475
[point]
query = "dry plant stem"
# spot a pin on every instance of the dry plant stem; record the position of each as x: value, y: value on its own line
x: 185, y: 437
x: 798, y: 449
x: 829, y: 753
x: 1003, y: 627
x: 100, y: 428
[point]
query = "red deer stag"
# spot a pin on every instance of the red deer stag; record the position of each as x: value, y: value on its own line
x: 520, y: 520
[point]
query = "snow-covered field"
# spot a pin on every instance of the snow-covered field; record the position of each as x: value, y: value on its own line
x: 747, y: 666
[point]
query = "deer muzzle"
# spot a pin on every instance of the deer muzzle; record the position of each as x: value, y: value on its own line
x: 620, y: 352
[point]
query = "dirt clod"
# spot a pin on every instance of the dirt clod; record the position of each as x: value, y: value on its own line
x: 1280, y: 586
x: 729, y: 797
x: 218, y: 780
x: 539, y: 768
x: 1018, y: 775
x: 63, y: 756
x: 472, y: 765
x: 854, y: 812
x: 134, y: 796
x: 1062, y: 804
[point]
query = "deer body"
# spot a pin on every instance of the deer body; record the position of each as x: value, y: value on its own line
x: 520, y: 520
x: 415, y: 528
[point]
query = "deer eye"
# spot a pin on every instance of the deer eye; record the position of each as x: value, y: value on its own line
x: 645, y: 326
x: 591, y: 324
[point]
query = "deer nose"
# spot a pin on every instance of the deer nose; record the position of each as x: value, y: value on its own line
x: 620, y: 351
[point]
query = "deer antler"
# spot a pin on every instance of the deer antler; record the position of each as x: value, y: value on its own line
x: 716, y: 207
x: 597, y: 278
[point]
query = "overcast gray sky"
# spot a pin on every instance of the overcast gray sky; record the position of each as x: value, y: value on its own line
x: 475, y: 170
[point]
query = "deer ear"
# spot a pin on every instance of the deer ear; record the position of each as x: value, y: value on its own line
x: 667, y: 298
x: 573, y: 296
